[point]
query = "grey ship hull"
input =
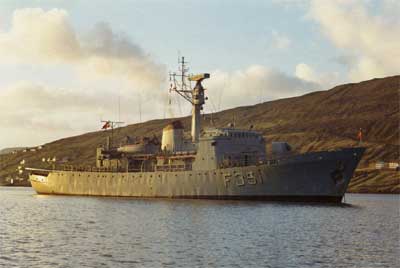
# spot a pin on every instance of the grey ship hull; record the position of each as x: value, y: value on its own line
x: 318, y: 176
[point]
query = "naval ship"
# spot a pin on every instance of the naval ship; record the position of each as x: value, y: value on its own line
x: 211, y: 163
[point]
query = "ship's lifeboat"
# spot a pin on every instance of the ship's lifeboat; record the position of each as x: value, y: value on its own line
x: 132, y: 148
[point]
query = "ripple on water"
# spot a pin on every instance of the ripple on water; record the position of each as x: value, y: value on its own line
x: 59, y: 231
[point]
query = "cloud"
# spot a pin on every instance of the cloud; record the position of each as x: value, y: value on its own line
x: 33, y: 113
x: 46, y: 37
x: 25, y: 105
x: 252, y: 85
x: 305, y: 72
x: 38, y: 36
x: 280, y: 41
x: 105, y: 64
x: 369, y: 43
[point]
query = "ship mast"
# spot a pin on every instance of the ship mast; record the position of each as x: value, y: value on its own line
x: 195, y: 96
x: 110, y: 124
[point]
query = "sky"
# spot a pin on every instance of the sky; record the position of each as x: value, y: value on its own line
x: 66, y: 65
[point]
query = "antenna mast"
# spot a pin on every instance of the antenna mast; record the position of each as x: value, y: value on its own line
x: 181, y: 87
x: 140, y: 107
x: 195, y: 96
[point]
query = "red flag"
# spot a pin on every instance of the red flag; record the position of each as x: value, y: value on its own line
x: 359, y: 135
x: 106, y: 125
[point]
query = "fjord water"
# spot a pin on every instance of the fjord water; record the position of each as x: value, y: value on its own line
x: 65, y: 231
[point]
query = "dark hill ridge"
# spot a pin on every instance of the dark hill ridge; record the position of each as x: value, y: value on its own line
x: 316, y: 121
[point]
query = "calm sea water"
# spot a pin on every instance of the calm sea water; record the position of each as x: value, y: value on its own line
x: 61, y: 231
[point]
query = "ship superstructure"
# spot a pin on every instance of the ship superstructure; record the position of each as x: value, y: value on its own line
x: 212, y: 148
x: 217, y: 163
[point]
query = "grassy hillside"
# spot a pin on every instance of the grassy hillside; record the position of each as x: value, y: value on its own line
x: 316, y: 121
x: 9, y: 150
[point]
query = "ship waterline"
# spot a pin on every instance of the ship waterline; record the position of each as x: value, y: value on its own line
x: 317, y: 176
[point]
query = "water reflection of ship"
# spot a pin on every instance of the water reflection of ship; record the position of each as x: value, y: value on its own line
x: 215, y: 163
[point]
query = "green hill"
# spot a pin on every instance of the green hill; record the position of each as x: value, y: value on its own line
x: 316, y: 121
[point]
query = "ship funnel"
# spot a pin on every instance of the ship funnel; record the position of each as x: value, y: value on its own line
x: 172, y: 137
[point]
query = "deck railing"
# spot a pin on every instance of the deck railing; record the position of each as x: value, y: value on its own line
x: 120, y: 169
x: 165, y: 168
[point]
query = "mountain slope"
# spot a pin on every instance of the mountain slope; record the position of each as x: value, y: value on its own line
x: 10, y: 150
x: 316, y: 121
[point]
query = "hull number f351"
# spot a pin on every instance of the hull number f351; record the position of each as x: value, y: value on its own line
x: 240, y: 179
